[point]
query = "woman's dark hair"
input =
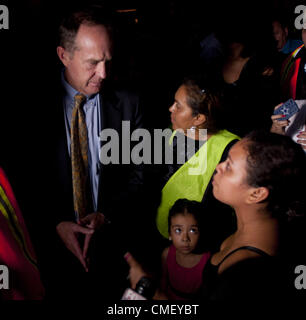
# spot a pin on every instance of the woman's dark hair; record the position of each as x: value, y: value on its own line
x: 195, y: 208
x: 277, y: 163
x: 202, y: 100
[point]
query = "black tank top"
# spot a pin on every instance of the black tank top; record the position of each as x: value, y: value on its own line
x: 210, y: 272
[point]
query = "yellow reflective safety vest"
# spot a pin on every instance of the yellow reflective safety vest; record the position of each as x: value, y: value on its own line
x: 191, y: 179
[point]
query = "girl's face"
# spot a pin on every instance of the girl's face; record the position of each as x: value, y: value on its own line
x: 229, y: 183
x: 184, y: 233
x: 181, y: 113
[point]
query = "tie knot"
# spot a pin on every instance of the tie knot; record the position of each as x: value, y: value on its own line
x: 79, y: 99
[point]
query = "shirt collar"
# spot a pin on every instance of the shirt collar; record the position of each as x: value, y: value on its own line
x: 71, y: 92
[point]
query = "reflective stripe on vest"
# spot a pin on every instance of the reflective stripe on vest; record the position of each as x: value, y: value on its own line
x: 289, y: 73
x: 191, y: 179
x: 287, y: 64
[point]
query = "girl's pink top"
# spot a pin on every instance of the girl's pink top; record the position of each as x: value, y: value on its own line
x: 183, y: 283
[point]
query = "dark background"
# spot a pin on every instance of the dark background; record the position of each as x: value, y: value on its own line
x: 157, y: 44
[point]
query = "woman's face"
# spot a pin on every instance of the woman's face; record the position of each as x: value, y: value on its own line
x: 229, y: 183
x: 181, y: 113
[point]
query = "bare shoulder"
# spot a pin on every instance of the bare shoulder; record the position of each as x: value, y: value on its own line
x: 227, y: 242
x: 236, y: 257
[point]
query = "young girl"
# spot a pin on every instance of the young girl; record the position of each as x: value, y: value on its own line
x: 183, y: 261
x: 263, y: 179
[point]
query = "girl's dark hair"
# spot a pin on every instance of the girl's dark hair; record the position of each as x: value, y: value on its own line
x: 277, y: 163
x: 184, y: 206
x: 195, y: 208
x: 202, y: 100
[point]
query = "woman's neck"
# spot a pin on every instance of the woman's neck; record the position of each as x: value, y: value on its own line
x: 196, y: 135
x: 258, y: 229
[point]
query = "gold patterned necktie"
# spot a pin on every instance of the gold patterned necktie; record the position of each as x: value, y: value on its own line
x: 79, y: 157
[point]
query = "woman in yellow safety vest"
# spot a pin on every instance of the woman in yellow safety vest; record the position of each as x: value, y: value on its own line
x: 199, y: 142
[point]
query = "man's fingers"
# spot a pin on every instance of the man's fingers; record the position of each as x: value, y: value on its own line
x: 74, y: 247
x: 84, y: 230
x: 84, y: 220
x: 86, y: 245
x: 93, y: 220
x: 79, y: 255
x: 68, y: 232
x: 88, y: 221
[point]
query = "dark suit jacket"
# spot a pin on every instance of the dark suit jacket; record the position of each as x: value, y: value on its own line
x: 41, y: 167
x: 48, y: 165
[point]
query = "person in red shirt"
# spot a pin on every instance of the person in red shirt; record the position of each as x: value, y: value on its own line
x: 16, y: 250
x: 293, y: 73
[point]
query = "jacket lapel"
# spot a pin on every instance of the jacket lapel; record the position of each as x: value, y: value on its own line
x: 111, y: 116
x: 110, y: 111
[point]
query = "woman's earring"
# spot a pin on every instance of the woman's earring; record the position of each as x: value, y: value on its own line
x: 193, y: 128
x: 170, y: 238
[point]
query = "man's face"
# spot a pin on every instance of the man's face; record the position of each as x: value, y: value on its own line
x: 86, y: 65
x: 280, y: 34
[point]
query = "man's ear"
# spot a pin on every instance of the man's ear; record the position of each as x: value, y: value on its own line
x: 257, y: 195
x: 63, y: 55
x: 286, y: 31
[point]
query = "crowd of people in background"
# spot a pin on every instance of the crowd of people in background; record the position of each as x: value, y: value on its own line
x: 190, y: 236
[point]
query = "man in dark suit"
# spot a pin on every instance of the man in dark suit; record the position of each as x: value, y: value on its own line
x: 85, y: 50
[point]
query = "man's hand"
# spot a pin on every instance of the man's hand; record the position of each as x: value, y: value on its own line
x: 93, y: 221
x: 68, y: 232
